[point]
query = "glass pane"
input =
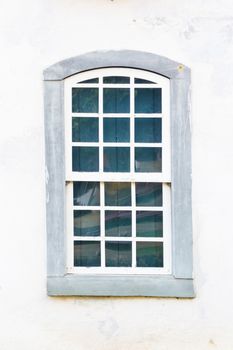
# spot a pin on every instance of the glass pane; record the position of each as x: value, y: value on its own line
x: 85, y: 100
x: 117, y: 223
x: 148, y: 130
x: 116, y: 130
x: 148, y: 159
x: 86, y: 253
x: 149, y: 254
x: 118, y: 254
x: 85, y: 129
x: 86, y: 193
x: 89, y: 81
x: 85, y: 159
x: 148, y: 100
x: 116, y: 80
x: 86, y: 223
x: 116, y: 100
x: 117, y: 159
x: 149, y: 223
x: 118, y: 193
x: 143, y: 81
x: 149, y: 194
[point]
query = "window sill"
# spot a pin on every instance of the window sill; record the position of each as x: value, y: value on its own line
x: 119, y: 285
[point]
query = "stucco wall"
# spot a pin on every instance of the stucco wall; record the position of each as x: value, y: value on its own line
x: 35, y: 34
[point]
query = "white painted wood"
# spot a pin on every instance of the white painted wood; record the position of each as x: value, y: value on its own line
x: 101, y: 176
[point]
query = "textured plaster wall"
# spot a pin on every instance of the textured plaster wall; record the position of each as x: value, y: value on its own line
x: 33, y: 35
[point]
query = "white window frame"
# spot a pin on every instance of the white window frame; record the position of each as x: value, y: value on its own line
x: 176, y: 282
x: 163, y: 177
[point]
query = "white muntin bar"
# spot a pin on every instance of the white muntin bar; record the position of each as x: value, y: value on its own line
x: 118, y: 239
x: 167, y: 227
x: 116, y: 177
x: 118, y: 270
x: 85, y: 115
x: 133, y: 191
x: 118, y: 208
x: 117, y: 144
x: 101, y: 160
x: 102, y: 225
x: 69, y: 224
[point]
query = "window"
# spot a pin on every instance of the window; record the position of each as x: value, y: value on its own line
x: 113, y: 174
x: 118, y: 172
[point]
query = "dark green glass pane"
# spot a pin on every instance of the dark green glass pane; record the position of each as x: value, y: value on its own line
x: 86, y: 193
x: 86, y: 253
x: 149, y: 194
x: 149, y: 223
x: 149, y: 254
x: 118, y: 193
x: 118, y: 254
x: 117, y: 223
x: 117, y: 159
x: 86, y: 223
x: 116, y: 80
x: 148, y: 130
x: 89, y: 81
x: 148, y: 100
x: 148, y: 159
x: 85, y: 129
x: 143, y: 81
x: 116, y: 130
x: 116, y: 100
x: 85, y: 159
x: 85, y: 100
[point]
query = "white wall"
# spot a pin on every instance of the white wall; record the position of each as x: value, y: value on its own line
x: 37, y: 33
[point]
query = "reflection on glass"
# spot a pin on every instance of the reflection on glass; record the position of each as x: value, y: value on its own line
x: 143, y: 81
x: 85, y: 159
x: 148, y: 100
x: 148, y: 130
x: 86, y: 223
x: 86, y: 193
x: 116, y: 100
x: 149, y: 223
x: 117, y: 159
x: 118, y: 254
x: 85, y: 100
x: 149, y: 194
x: 116, y: 130
x: 148, y: 159
x: 89, y: 81
x: 86, y: 253
x: 149, y: 254
x: 116, y: 80
x: 85, y: 129
x: 118, y: 193
x: 117, y: 223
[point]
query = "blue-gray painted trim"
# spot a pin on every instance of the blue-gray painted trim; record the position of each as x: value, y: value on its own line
x: 124, y: 58
x: 179, y: 76
x: 55, y: 177
x: 160, y: 286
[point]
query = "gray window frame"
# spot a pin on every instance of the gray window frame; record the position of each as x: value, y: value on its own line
x: 59, y: 282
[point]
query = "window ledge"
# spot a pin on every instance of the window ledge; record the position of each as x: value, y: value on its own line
x: 93, y: 285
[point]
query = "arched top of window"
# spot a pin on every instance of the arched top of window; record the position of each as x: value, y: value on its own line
x: 124, y: 58
x: 117, y: 76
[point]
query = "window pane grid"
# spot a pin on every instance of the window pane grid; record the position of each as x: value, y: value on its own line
x: 102, y: 238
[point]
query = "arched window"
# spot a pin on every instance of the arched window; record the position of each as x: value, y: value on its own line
x: 112, y: 167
